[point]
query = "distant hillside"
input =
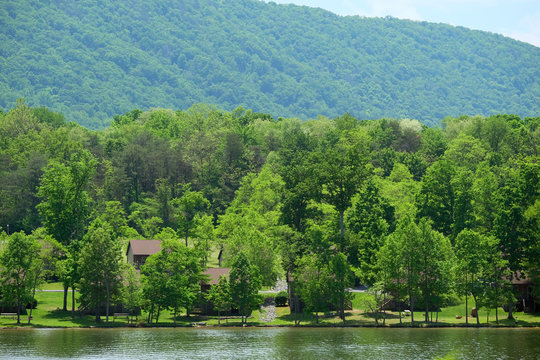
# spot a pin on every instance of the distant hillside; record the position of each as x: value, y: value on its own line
x: 92, y: 59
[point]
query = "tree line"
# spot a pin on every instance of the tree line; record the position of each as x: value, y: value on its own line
x: 420, y: 213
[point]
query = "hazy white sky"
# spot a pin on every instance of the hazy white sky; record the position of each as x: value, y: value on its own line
x: 518, y: 19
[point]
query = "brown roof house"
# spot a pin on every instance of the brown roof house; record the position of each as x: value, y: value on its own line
x: 139, y: 250
x: 523, y: 289
x: 212, y: 275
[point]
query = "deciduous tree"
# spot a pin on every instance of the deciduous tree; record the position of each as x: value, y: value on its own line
x: 100, y: 268
x: 190, y: 204
x: 245, y: 281
x: 19, y: 269
x: 64, y: 207
x: 220, y: 296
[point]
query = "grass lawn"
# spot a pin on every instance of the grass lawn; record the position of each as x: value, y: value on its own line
x: 49, y: 314
x: 52, y: 286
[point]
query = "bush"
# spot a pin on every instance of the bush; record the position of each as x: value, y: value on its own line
x: 32, y: 304
x: 281, y: 298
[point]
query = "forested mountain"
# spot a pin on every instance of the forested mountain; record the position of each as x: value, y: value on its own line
x: 93, y: 59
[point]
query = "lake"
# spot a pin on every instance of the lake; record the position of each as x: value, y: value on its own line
x: 270, y: 343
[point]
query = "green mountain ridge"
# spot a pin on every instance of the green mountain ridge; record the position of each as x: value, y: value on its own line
x: 92, y: 59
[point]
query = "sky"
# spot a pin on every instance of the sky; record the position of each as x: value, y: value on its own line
x: 518, y: 19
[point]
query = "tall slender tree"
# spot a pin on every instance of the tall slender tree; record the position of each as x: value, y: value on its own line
x: 342, y: 169
x: 341, y: 279
x: 220, y: 296
x: 64, y: 206
x: 435, y: 266
x: 313, y: 283
x: 187, y: 207
x: 100, y: 268
x: 19, y: 269
x: 471, y: 251
x: 410, y: 257
x: 245, y: 281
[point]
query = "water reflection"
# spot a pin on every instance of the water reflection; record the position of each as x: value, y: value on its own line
x: 275, y: 343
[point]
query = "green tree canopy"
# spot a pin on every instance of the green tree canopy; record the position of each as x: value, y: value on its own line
x: 245, y: 282
x: 19, y: 263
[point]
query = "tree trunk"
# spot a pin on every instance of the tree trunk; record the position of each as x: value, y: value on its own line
x: 174, y: 317
x: 412, y: 309
x: 510, y: 310
x: 66, y: 287
x: 149, y: 321
x: 384, y: 309
x: 296, y: 304
x: 187, y: 231
x: 411, y: 302
x: 33, y: 297
x: 341, y: 228
x: 466, y: 303
x: 157, y: 314
x: 72, y: 301
x: 426, y: 315
x: 108, y: 302
x: 295, y: 317
x: 497, y: 315
x: 342, y: 305
x: 31, y: 308
x: 400, y: 307
x: 477, y: 312
x: 18, y: 310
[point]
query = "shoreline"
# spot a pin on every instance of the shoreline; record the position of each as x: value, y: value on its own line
x: 214, y: 327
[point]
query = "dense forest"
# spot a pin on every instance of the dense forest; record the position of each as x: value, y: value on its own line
x: 91, y: 60
x: 425, y: 212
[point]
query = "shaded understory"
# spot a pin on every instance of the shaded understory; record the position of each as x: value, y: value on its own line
x: 48, y: 314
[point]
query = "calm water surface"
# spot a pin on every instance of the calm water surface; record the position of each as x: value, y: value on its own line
x: 273, y: 343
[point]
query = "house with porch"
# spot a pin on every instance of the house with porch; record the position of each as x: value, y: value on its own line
x: 523, y: 289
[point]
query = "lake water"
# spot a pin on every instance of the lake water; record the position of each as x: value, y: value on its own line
x: 270, y: 343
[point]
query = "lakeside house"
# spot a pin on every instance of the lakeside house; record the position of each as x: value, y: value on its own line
x: 212, y: 275
x: 139, y: 250
x: 523, y: 288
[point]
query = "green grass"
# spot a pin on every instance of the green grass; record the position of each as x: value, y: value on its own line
x: 52, y: 286
x: 213, y: 257
x: 49, y: 314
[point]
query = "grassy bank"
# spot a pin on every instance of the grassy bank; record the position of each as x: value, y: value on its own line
x: 49, y: 314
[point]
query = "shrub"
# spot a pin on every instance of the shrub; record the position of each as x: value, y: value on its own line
x: 281, y: 298
x: 32, y: 304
